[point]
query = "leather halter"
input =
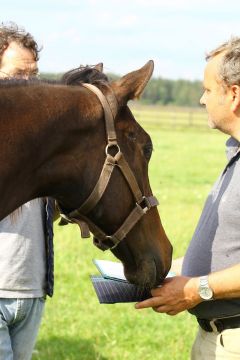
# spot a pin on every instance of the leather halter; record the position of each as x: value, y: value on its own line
x: 143, y: 203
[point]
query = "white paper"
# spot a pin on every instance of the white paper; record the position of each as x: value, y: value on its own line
x: 110, y: 269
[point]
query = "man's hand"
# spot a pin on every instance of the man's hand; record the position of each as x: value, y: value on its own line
x: 176, y: 294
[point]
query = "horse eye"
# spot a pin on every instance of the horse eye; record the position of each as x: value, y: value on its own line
x: 132, y: 135
x: 147, y: 150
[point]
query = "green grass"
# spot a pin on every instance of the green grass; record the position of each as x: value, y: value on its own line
x: 75, y: 326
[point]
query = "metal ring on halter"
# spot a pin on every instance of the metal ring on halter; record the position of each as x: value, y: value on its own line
x: 110, y: 146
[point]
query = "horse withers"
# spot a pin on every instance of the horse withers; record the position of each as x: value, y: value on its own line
x: 61, y: 141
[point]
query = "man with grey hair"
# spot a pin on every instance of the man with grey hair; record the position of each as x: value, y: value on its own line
x: 208, y: 277
x: 26, y: 256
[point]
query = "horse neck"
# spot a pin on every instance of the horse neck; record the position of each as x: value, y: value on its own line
x: 33, y: 137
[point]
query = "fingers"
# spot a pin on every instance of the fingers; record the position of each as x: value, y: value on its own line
x: 158, y: 306
x: 161, y: 309
x: 165, y: 310
x: 156, y: 292
x: 153, y: 302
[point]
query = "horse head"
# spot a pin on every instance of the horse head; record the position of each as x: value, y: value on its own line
x: 118, y: 204
x: 80, y: 144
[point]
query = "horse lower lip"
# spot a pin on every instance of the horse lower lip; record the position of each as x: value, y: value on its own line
x: 141, y: 277
x: 159, y: 282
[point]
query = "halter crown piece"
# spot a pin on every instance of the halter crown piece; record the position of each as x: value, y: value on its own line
x: 142, y: 203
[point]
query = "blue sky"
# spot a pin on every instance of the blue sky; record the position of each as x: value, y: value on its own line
x: 125, y: 34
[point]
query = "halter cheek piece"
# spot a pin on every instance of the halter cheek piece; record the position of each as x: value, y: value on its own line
x: 143, y: 203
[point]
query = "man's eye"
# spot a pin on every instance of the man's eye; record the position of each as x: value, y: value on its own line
x: 19, y: 75
x: 24, y: 74
x: 35, y: 74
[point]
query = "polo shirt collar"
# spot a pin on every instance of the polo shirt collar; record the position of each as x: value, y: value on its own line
x: 232, y: 147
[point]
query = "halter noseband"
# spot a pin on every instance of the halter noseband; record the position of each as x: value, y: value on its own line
x: 143, y: 203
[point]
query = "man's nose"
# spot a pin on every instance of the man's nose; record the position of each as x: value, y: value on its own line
x: 202, y: 100
x: 25, y: 77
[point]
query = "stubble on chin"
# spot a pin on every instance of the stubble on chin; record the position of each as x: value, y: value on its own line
x: 211, y: 124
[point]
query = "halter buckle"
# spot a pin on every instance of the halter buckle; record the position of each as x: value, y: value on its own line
x: 103, y: 246
x: 144, y: 204
x: 115, y: 243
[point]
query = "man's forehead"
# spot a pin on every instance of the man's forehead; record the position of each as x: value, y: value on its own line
x: 213, y: 66
x: 18, y: 57
x: 18, y: 52
x: 215, y: 62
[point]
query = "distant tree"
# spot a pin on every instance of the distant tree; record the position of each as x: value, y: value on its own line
x: 51, y: 76
x: 172, y: 92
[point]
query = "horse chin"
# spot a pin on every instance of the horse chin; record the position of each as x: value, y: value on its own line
x: 144, y: 274
x: 147, y: 272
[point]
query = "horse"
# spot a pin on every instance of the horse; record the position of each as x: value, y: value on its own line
x: 81, y: 145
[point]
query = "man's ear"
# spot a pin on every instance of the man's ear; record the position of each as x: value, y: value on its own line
x: 235, y: 94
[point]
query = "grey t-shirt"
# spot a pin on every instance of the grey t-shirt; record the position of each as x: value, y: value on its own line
x: 22, y: 252
x: 216, y: 242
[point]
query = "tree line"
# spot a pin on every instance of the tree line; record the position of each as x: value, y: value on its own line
x: 173, y: 92
x: 160, y: 91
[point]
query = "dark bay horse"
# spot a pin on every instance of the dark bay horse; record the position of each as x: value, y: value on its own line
x: 53, y: 143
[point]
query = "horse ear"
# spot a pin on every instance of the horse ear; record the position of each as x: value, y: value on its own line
x: 99, y: 67
x: 132, y: 85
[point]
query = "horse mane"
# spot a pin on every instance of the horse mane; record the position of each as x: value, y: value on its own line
x: 82, y: 74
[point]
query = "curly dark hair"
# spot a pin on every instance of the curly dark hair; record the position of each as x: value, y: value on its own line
x: 12, y: 32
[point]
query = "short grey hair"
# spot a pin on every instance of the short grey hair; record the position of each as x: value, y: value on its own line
x: 229, y: 70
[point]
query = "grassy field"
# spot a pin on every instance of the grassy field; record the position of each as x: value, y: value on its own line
x: 184, y: 164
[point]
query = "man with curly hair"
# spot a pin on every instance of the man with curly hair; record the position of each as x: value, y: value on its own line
x: 26, y: 256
